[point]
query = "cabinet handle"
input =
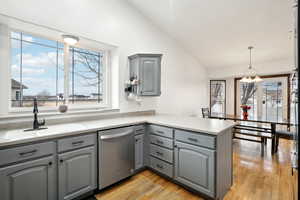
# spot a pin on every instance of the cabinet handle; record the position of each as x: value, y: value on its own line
x: 77, y: 143
x: 61, y: 160
x: 193, y: 139
x: 28, y: 153
x: 159, y: 153
x: 159, y: 166
x: 117, y: 135
x: 50, y: 163
x: 175, y: 146
x: 159, y: 142
x: 161, y: 132
x: 137, y: 140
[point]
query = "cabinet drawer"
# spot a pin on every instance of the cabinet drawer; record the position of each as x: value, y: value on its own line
x: 140, y: 129
x: 195, y: 138
x: 160, y: 130
x: 161, y: 141
x: 162, y: 153
x: 161, y: 166
x: 76, y: 142
x: 26, y: 152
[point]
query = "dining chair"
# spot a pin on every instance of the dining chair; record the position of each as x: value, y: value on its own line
x: 205, y: 112
x: 283, y: 134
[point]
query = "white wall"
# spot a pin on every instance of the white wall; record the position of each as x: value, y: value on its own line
x: 279, y: 66
x: 230, y: 96
x: 184, y: 87
x: 5, y: 83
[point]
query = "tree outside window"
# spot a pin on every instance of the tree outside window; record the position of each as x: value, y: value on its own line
x: 86, y: 77
x: 218, y: 96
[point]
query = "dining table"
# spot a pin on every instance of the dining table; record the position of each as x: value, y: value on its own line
x: 284, y: 122
x: 259, y: 123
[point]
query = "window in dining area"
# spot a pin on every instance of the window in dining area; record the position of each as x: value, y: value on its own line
x: 218, y: 97
x: 249, y: 98
x: 267, y: 100
x: 272, y: 108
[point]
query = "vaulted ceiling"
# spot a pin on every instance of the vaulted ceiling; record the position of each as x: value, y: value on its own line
x: 218, y: 32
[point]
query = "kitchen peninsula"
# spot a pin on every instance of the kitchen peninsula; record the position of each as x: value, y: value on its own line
x: 193, y: 152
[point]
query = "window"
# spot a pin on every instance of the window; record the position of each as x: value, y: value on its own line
x: 272, y: 108
x: 86, y: 76
x: 218, y: 96
x: 17, y: 95
x: 37, y: 70
x: 268, y: 99
x: 248, y: 97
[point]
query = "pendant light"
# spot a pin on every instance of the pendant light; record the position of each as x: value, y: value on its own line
x: 251, y: 74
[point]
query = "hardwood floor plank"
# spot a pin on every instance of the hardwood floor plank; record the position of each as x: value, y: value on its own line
x: 255, y: 177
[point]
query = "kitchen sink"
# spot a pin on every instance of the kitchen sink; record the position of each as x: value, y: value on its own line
x: 42, y: 131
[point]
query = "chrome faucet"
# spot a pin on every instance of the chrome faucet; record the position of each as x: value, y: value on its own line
x: 36, y: 123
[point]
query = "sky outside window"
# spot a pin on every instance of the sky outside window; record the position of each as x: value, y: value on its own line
x: 37, y: 64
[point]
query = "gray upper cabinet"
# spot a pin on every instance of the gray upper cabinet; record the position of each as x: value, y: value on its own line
x: 29, y: 180
x: 147, y: 69
x: 139, y: 151
x: 77, y: 173
x: 195, y: 167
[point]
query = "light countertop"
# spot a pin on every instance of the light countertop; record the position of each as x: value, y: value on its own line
x: 208, y: 126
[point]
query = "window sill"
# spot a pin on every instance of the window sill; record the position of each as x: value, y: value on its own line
x: 54, y: 113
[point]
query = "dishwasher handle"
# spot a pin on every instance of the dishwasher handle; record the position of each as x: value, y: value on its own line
x: 106, y: 137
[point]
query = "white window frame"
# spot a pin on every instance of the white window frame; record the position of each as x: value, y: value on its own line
x: 106, y: 102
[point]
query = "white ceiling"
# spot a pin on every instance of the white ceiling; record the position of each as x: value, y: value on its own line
x: 218, y: 32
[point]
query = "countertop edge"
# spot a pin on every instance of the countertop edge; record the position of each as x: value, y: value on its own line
x: 7, y: 144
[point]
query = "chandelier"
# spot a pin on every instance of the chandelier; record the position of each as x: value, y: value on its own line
x: 251, y: 75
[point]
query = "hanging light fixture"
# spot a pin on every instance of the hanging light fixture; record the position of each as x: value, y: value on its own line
x: 251, y: 74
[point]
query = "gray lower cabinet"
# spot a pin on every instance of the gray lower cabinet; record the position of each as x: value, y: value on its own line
x: 29, y: 180
x: 160, y: 149
x: 139, y: 151
x: 36, y: 171
x: 77, y: 173
x: 195, y: 167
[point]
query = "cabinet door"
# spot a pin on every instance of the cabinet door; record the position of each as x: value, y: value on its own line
x: 29, y: 180
x: 150, y: 76
x: 194, y: 167
x: 139, y: 151
x: 76, y: 173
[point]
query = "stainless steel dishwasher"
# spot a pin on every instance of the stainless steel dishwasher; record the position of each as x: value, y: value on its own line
x: 116, y: 155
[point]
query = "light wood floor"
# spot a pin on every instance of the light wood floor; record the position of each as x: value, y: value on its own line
x: 255, y: 178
